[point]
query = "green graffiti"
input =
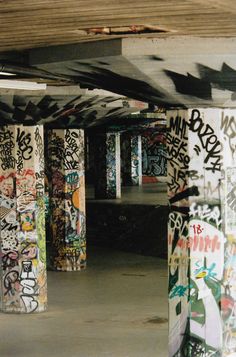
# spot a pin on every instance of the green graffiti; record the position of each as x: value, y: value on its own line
x: 40, y: 224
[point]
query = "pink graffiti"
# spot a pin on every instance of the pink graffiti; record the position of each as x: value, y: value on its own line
x: 200, y: 243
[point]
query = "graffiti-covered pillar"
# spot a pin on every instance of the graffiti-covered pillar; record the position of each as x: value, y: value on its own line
x: 202, y: 232
x: 107, y: 165
x: 65, y: 167
x: 22, y: 225
x: 131, y: 159
x: 154, y: 162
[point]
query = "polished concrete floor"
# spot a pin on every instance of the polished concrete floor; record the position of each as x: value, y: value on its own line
x: 147, y: 194
x: 117, y: 307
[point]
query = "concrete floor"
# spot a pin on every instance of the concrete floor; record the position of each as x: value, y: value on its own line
x: 115, y: 308
x: 147, y: 194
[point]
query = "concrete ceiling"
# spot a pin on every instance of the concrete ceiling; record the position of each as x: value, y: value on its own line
x: 88, y: 109
x: 28, y: 24
x: 175, y: 71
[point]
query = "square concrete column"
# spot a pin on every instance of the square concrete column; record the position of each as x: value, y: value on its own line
x: 107, y: 165
x: 202, y: 232
x: 131, y: 156
x: 65, y: 167
x: 154, y: 154
x: 22, y: 226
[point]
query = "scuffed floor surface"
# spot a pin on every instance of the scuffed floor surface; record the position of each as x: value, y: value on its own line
x: 115, y: 308
x: 147, y: 194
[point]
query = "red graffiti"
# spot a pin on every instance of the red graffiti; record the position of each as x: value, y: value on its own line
x: 199, y: 243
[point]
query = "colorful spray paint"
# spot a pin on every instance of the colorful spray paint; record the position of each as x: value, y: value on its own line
x: 131, y: 159
x: 107, y: 165
x: 22, y: 229
x: 154, y: 154
x: 65, y: 167
x: 202, y: 232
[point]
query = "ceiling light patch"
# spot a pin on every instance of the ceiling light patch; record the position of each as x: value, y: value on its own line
x: 7, y: 74
x: 12, y: 84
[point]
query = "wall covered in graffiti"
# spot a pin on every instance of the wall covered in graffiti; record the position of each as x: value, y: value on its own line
x: 136, y: 160
x: 201, y: 148
x: 131, y: 159
x: 22, y: 227
x: 107, y: 165
x: 65, y: 169
x: 154, y: 159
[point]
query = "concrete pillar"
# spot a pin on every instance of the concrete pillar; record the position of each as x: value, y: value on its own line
x: 131, y: 154
x: 65, y: 152
x: 153, y: 154
x: 22, y: 225
x: 202, y: 232
x: 107, y: 165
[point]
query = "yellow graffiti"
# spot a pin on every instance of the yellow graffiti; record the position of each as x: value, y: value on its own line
x: 201, y: 275
x: 231, y: 238
x: 76, y: 198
